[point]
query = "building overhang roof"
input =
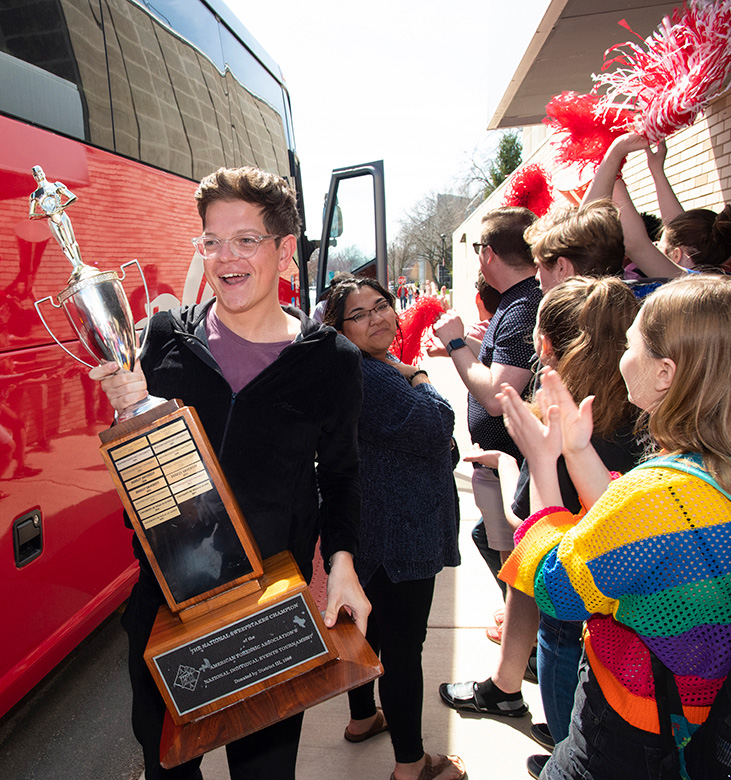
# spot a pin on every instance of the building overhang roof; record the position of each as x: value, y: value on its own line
x: 567, y: 47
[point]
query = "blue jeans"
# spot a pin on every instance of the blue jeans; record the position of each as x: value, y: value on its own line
x: 601, y: 745
x: 559, y: 654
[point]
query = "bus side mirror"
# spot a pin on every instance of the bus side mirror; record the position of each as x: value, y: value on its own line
x: 336, y: 228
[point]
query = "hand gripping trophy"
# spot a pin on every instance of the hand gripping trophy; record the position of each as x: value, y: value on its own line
x: 94, y: 301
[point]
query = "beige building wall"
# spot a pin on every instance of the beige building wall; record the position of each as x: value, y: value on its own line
x: 698, y: 166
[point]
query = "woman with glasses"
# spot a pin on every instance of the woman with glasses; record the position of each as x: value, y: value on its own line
x: 409, y: 523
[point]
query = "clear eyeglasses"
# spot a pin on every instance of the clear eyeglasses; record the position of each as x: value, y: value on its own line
x: 380, y: 308
x: 240, y: 246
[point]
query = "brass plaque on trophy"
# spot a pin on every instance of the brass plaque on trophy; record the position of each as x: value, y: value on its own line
x: 243, y: 648
x: 240, y: 644
x: 181, y: 508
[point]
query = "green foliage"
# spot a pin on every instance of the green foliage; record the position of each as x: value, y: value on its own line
x: 490, y: 173
x: 508, y: 158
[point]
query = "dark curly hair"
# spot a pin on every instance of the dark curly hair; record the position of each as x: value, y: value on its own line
x: 335, y: 310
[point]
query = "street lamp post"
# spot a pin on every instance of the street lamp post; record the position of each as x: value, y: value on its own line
x: 443, y: 269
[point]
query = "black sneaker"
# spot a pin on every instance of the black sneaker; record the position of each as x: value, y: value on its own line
x: 535, y: 765
x: 484, y: 697
x: 540, y: 733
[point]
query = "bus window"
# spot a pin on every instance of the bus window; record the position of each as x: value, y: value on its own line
x: 40, y: 81
x: 248, y: 70
x: 193, y: 22
x: 173, y: 106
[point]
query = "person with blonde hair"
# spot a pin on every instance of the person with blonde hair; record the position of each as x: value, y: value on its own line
x: 648, y: 565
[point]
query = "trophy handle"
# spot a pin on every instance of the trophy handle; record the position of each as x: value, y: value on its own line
x: 50, y: 332
x: 147, y: 297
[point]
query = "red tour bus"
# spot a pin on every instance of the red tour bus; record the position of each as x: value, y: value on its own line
x: 129, y: 105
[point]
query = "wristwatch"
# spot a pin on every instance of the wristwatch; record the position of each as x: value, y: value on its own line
x: 455, y: 344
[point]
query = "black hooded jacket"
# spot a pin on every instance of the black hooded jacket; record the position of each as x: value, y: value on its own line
x: 303, y: 408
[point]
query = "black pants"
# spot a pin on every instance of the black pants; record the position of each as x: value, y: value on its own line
x: 396, y: 631
x: 491, y: 557
x: 270, y: 753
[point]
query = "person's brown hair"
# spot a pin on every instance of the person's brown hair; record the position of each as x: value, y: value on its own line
x: 586, y: 321
x: 270, y: 192
x: 489, y: 296
x: 688, y: 320
x: 704, y: 235
x: 502, y: 229
x: 590, y: 237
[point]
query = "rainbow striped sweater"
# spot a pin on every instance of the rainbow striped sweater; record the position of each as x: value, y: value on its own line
x: 648, y: 566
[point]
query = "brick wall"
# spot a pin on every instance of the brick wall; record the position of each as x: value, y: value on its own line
x: 698, y: 164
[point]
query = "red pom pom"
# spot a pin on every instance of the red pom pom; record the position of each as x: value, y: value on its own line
x: 582, y: 136
x: 676, y: 71
x: 413, y: 324
x: 530, y: 187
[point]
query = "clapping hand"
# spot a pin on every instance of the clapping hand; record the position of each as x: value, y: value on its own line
x: 487, y: 458
x: 586, y: 469
x: 576, y: 422
x: 540, y: 442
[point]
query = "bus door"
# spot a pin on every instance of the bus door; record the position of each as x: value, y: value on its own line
x: 353, y: 237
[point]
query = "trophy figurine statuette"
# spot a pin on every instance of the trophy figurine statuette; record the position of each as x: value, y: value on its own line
x: 240, y: 643
x: 94, y: 301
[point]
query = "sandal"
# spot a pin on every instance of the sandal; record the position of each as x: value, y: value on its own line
x: 378, y: 727
x: 484, y: 697
x: 431, y: 771
x: 495, y: 634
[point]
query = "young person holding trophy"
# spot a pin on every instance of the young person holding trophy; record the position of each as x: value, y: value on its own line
x: 279, y: 399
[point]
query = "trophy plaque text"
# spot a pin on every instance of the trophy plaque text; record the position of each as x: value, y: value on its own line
x: 242, y: 648
x: 181, y: 508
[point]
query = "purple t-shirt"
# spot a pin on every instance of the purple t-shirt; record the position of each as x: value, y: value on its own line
x: 239, y: 360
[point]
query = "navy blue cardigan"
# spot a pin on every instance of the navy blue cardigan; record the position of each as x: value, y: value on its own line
x: 409, y: 519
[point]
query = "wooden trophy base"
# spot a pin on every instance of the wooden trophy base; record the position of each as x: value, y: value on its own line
x: 207, y: 663
x: 249, y: 664
x: 355, y: 665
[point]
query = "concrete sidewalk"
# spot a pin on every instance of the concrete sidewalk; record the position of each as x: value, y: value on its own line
x: 456, y: 649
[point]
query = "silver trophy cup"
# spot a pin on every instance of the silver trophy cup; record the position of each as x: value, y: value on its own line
x: 94, y: 301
